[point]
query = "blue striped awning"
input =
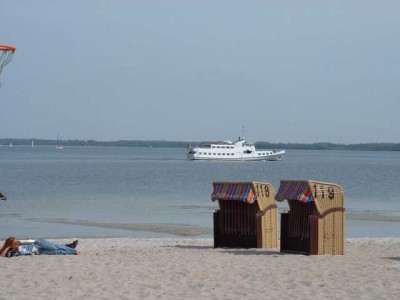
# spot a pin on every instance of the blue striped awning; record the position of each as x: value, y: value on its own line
x: 240, y: 191
x: 295, y: 190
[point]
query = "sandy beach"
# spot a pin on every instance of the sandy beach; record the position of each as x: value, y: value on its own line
x: 168, y: 268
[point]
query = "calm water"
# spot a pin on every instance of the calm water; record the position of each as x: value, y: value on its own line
x: 52, y: 191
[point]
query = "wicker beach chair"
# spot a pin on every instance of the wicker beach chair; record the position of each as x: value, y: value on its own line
x: 247, y: 215
x: 315, y: 221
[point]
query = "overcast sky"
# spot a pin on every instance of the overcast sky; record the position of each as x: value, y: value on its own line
x: 290, y: 71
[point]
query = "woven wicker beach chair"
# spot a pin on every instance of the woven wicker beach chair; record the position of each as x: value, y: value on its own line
x: 315, y: 221
x: 247, y: 215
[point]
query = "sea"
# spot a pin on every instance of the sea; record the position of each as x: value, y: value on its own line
x: 156, y: 192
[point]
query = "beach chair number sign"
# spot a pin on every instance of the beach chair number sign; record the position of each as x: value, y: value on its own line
x: 262, y: 190
x: 330, y: 191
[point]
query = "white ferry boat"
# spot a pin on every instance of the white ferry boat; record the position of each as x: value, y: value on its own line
x: 238, y: 150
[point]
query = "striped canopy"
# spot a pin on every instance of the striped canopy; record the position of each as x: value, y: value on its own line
x: 240, y: 191
x: 295, y: 190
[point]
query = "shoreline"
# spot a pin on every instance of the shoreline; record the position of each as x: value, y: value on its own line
x: 358, y: 225
x: 182, y: 268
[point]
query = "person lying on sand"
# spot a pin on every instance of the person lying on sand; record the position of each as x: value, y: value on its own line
x: 13, y: 247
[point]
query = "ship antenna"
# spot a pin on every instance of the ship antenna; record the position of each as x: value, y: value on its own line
x: 243, y: 132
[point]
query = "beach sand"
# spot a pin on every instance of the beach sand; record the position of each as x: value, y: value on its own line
x: 168, y: 268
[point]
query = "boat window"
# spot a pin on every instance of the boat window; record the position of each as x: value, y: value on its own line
x: 219, y: 153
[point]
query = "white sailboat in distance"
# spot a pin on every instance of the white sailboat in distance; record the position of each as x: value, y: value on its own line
x: 58, y: 143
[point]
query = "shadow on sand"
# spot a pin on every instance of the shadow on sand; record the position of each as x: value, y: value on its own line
x: 393, y: 258
x: 237, y: 251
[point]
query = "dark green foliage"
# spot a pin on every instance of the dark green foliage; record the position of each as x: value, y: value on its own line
x: 176, y: 144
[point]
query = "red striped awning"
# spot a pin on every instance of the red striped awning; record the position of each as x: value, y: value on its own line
x: 240, y: 191
x: 295, y: 190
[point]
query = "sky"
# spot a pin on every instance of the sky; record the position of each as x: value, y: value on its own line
x: 289, y: 71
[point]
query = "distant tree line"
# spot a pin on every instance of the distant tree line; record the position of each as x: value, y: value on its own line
x: 180, y: 144
x: 331, y: 146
